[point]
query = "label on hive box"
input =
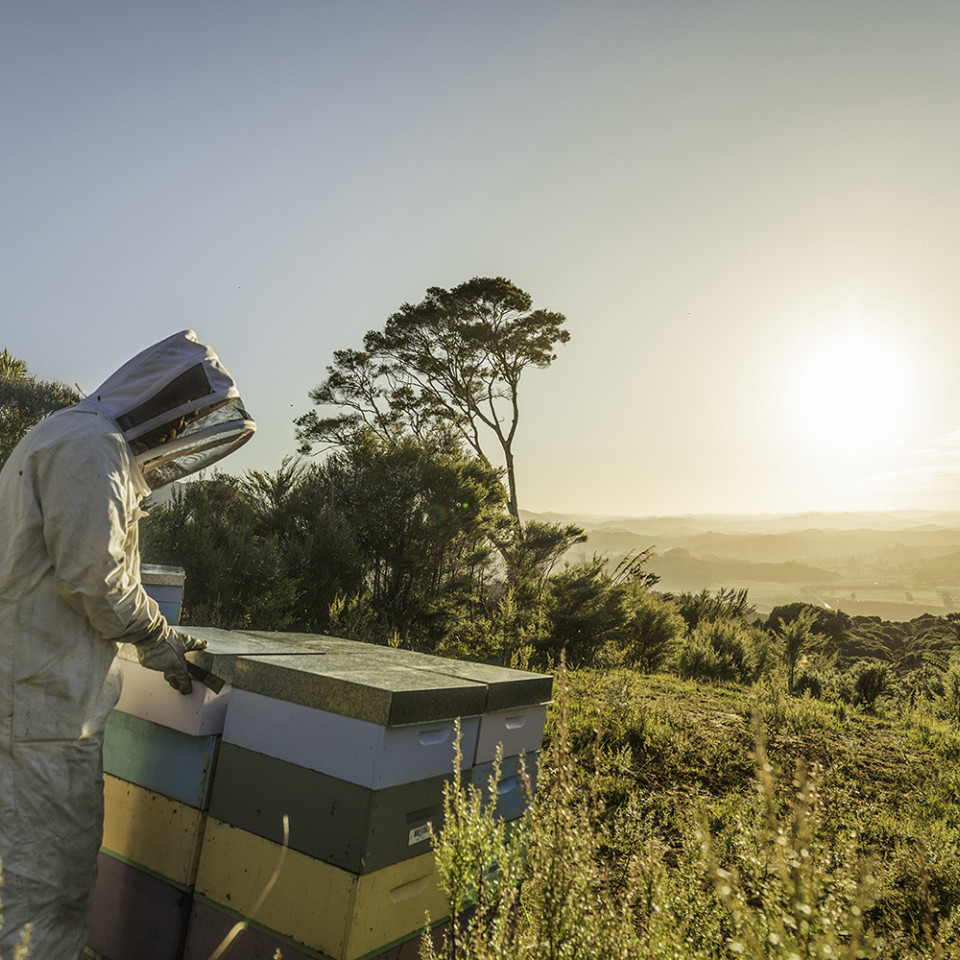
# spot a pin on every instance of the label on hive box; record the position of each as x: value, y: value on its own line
x: 419, y: 834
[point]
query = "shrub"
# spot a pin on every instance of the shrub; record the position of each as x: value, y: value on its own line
x: 951, y: 699
x: 870, y: 679
x: 653, y: 632
x: 808, y: 681
x: 562, y: 911
x: 792, y: 889
x: 586, y: 611
x: 722, y: 650
x: 509, y: 635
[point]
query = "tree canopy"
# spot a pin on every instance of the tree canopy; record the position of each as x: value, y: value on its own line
x: 25, y: 400
x: 452, y: 362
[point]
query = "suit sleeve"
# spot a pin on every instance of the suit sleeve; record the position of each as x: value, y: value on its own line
x: 89, y: 527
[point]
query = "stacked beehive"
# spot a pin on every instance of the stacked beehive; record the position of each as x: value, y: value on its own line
x: 347, y: 750
x: 330, y: 767
x: 160, y: 751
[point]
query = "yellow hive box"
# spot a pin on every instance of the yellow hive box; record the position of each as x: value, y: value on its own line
x: 327, y: 909
x: 151, y: 830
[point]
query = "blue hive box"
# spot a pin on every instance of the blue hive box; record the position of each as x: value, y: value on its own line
x: 165, y: 585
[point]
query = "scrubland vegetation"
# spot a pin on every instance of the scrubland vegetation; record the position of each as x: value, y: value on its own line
x: 688, y: 819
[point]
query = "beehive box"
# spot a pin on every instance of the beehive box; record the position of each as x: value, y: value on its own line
x: 339, y: 822
x: 352, y: 743
x: 160, y: 752
x: 352, y: 746
x: 322, y: 907
x: 137, y: 915
x: 211, y: 926
x: 201, y: 712
x: 165, y: 585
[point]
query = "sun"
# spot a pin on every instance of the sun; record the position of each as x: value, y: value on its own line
x: 851, y: 390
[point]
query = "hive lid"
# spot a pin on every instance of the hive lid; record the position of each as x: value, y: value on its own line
x: 157, y: 575
x: 318, y: 642
x: 224, y: 648
x: 362, y: 686
x: 505, y: 688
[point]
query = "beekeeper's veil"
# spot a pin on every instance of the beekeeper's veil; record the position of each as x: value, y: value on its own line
x: 178, y: 408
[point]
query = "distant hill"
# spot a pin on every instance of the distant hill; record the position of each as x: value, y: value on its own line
x: 897, y: 565
x: 679, y: 571
x: 758, y: 523
x: 812, y: 545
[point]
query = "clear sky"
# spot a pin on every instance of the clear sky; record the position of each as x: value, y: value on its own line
x: 748, y: 212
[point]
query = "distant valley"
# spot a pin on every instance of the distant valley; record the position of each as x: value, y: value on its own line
x: 895, y: 565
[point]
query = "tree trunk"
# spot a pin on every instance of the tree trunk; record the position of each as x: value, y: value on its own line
x: 512, y: 506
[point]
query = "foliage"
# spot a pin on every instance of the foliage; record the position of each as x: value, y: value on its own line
x: 563, y: 908
x: 869, y: 680
x: 25, y: 400
x: 297, y: 509
x: 832, y: 625
x: 706, y: 607
x: 793, y: 887
x: 479, y: 866
x: 655, y: 629
x: 593, y: 618
x: 586, y: 611
x: 529, y: 560
x: 722, y: 650
x: 797, y: 638
x: 453, y: 361
x: 508, y: 634
x: 423, y: 518
x: 234, y: 574
x: 405, y: 531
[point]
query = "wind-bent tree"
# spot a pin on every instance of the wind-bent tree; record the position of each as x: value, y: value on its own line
x: 25, y: 400
x: 452, y: 362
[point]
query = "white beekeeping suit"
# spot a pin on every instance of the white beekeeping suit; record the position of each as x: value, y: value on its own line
x: 70, y: 590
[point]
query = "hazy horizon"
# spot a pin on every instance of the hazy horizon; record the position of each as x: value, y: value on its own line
x: 745, y: 210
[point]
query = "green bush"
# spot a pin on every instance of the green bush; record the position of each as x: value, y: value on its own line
x: 723, y: 650
x: 868, y: 681
x: 951, y: 699
x: 653, y: 631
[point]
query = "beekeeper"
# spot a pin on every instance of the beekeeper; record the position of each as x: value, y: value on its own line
x: 70, y: 590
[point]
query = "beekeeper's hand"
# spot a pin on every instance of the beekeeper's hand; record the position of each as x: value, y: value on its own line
x: 167, y: 656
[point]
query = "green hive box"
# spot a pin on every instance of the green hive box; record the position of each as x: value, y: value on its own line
x: 342, y: 823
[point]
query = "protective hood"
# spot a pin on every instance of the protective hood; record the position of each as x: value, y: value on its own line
x: 178, y: 408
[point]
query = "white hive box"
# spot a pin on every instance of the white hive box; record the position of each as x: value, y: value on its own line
x: 356, y: 717
x: 201, y: 712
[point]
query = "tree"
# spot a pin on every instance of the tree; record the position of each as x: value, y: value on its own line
x: 796, y: 638
x: 424, y: 516
x: 453, y: 361
x: 530, y: 561
x: 25, y: 400
x: 704, y: 607
x: 235, y: 577
x: 399, y: 535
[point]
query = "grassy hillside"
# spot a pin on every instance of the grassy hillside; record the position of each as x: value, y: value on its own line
x: 687, y: 820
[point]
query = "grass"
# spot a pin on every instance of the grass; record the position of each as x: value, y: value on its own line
x: 676, y: 819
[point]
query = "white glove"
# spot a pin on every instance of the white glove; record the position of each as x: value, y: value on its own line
x: 167, y: 655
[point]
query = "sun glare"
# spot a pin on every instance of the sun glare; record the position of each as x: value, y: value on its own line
x: 851, y: 392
